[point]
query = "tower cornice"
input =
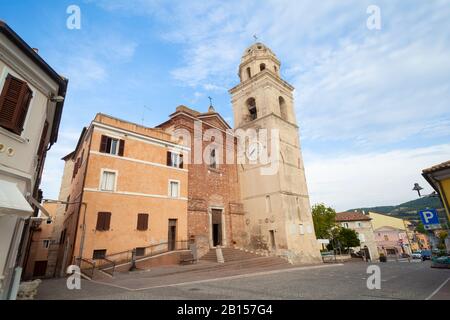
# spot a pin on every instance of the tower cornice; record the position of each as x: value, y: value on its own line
x: 259, y: 76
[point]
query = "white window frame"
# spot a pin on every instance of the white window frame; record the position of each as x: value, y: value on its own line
x: 175, y: 155
x: 170, y: 189
x: 116, y: 174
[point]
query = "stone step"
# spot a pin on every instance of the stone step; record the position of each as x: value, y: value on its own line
x: 236, y: 255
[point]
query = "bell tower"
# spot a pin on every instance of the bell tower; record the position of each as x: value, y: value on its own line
x: 277, y: 209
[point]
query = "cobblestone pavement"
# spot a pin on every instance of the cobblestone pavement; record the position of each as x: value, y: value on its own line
x: 399, y: 280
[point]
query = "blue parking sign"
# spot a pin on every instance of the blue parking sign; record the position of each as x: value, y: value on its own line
x: 429, y: 217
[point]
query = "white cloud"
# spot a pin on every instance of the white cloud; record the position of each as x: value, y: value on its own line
x: 358, y: 91
x: 371, y: 179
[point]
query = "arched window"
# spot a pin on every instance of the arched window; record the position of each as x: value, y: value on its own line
x: 212, y: 159
x: 283, y: 108
x: 251, y: 106
x: 249, y: 73
x: 262, y: 66
x: 275, y: 69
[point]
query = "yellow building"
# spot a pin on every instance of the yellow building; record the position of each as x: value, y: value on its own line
x: 438, y: 177
x: 381, y: 220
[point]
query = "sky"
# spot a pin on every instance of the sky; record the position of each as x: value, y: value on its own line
x: 373, y: 105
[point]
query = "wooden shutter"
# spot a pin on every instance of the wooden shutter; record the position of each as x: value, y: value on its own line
x: 42, y: 144
x: 121, y: 147
x: 181, y: 161
x: 107, y: 220
x: 142, y: 223
x: 14, y: 101
x: 169, y: 158
x: 103, y: 221
x: 103, y: 144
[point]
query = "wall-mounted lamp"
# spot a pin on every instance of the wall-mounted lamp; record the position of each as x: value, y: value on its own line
x: 56, y: 99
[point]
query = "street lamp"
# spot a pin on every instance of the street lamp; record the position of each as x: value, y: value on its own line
x: 417, y: 188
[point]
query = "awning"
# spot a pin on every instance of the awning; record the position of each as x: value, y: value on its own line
x: 12, y: 201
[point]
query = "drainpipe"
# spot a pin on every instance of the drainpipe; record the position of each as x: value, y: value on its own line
x: 83, y: 234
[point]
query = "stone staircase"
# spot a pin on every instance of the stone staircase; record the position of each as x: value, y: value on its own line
x: 245, y: 259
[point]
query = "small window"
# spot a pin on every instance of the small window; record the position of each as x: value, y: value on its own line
x: 360, y: 224
x: 283, y: 108
x: 262, y: 67
x: 174, y: 160
x: 268, y: 204
x: 251, y: 106
x: 345, y: 225
x: 67, y: 203
x: 46, y: 244
x: 249, y: 73
x: 275, y: 69
x: 174, y: 189
x: 140, y: 251
x: 108, y: 181
x: 112, y: 146
x: 386, y: 238
x: 103, y: 221
x: 62, y: 237
x: 99, y: 254
x: 213, y: 159
x: 142, y: 222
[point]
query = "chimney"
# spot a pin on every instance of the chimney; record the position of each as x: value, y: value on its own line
x: 364, y: 212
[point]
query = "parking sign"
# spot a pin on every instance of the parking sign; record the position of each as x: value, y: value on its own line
x: 430, y: 219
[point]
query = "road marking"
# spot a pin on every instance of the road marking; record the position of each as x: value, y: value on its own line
x: 248, y: 275
x: 437, y: 290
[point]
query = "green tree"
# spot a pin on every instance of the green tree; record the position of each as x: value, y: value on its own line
x: 442, y: 236
x: 420, y: 228
x: 324, y: 219
x: 348, y: 238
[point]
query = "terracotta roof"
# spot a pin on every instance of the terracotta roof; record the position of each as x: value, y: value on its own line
x: 441, y: 166
x: 351, y: 216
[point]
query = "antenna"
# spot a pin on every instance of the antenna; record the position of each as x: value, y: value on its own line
x: 210, y: 101
x: 255, y: 37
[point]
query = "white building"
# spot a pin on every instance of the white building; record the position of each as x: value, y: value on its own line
x: 31, y: 102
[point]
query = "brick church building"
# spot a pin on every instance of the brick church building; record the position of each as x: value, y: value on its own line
x: 215, y: 214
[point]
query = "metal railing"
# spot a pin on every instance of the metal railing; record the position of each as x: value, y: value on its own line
x: 147, y: 252
x: 87, y: 267
x: 106, y: 265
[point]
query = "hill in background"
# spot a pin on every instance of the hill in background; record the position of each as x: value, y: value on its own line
x: 409, y: 210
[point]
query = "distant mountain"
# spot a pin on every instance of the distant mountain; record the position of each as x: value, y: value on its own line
x: 409, y: 210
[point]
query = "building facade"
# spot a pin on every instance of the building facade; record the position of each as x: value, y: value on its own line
x: 125, y: 193
x: 273, y: 190
x: 438, y: 177
x: 31, y: 102
x: 403, y: 227
x: 215, y: 213
x: 41, y: 240
x: 362, y: 224
x: 392, y: 241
